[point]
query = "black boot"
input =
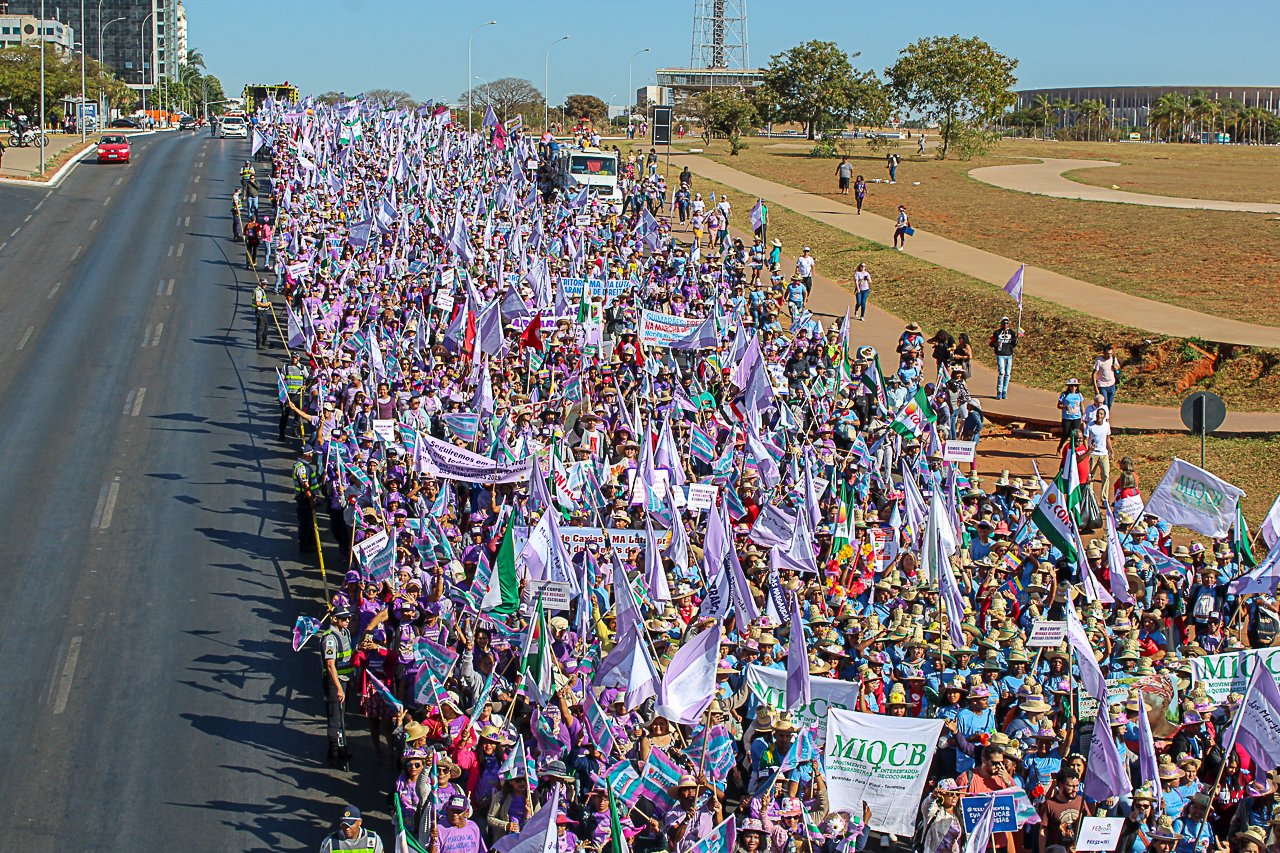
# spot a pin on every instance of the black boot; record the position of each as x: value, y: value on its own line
x: 344, y: 759
x: 335, y: 757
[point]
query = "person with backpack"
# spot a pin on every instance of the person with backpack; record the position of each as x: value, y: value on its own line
x: 252, y: 239
x: 1003, y: 342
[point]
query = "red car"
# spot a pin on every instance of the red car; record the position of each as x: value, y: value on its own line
x: 113, y: 149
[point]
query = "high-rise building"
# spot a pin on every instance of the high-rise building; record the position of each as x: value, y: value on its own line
x: 142, y: 41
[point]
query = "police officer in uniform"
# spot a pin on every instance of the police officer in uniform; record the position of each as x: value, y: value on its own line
x: 306, y: 489
x: 262, y: 308
x: 295, y: 380
x: 350, y: 835
x: 337, y: 650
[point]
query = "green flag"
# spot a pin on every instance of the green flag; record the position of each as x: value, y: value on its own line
x: 503, y: 595
x: 1055, y: 513
x: 537, y: 665
x: 1242, y: 546
x: 617, y: 842
x: 912, y: 417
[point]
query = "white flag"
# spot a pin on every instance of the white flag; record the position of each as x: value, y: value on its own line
x: 1191, y: 497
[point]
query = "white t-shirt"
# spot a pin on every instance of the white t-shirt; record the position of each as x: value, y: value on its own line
x: 862, y: 279
x: 804, y: 265
x: 1097, y: 435
x: 1104, y: 371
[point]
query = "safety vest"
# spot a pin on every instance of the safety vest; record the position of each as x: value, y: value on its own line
x: 294, y: 379
x: 366, y: 842
x: 246, y: 173
x: 305, y: 476
x: 342, y: 658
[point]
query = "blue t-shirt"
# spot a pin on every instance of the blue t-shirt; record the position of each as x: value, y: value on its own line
x: 1072, y: 405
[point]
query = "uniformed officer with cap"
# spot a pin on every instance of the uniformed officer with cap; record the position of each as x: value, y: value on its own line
x: 306, y: 488
x: 350, y: 835
x: 337, y: 651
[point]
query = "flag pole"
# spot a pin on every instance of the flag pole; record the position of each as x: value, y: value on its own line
x: 1226, y: 754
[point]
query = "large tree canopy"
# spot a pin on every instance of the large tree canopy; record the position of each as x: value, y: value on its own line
x: 953, y: 81
x: 585, y: 106
x: 509, y: 96
x: 815, y: 83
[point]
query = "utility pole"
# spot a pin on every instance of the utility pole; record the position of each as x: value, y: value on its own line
x: 42, y: 116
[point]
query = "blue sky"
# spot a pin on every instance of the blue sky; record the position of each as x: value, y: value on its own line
x: 421, y: 45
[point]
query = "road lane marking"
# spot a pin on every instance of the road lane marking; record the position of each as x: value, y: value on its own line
x: 106, y: 201
x: 68, y: 676
x: 76, y: 253
x: 119, y: 180
x: 155, y: 342
x: 186, y: 222
x: 26, y: 337
x: 181, y: 248
x: 106, y: 505
x: 171, y: 250
x: 168, y: 291
x: 28, y: 219
x: 160, y: 288
x: 137, y: 402
x: 196, y: 179
x: 15, y: 231
x: 146, y: 336
x: 128, y: 401
x: 54, y: 290
x: 2, y: 245
x: 177, y: 222
x: 93, y: 225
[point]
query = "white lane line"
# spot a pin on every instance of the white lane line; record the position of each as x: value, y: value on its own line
x: 28, y: 219
x: 26, y: 336
x: 15, y: 231
x: 119, y: 180
x: 177, y: 222
x: 106, y: 201
x: 68, y: 676
x: 106, y: 505
x: 128, y: 401
x: 137, y: 401
x: 93, y: 225
x: 168, y: 291
x: 171, y: 251
x: 160, y: 288
x: 54, y: 290
x: 196, y: 179
x: 146, y: 336
x: 2, y: 245
x: 181, y: 248
x: 77, y: 252
x: 186, y: 222
x: 155, y: 342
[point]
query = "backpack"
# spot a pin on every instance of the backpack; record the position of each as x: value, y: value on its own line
x: 1264, y: 626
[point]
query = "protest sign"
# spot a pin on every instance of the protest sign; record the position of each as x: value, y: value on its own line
x: 1099, y: 833
x: 1004, y: 817
x: 555, y: 594
x: 450, y: 462
x: 1119, y: 688
x: 770, y: 687
x: 1229, y: 673
x: 882, y: 761
x: 577, y: 539
x: 385, y: 429
x: 959, y: 451
x: 444, y: 301
x: 1046, y: 634
x: 600, y: 288
x: 369, y: 548
x: 702, y: 495
x: 661, y: 330
x: 446, y: 279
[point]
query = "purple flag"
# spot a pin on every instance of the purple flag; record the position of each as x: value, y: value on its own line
x: 758, y: 215
x: 1013, y: 286
x: 950, y: 591
x: 744, y: 604
x: 723, y: 837
x: 1090, y: 673
x: 1105, y: 775
x: 1148, y: 766
x: 626, y: 612
x: 655, y: 574
x: 703, y: 337
x: 304, y: 629
x: 628, y: 666
x: 799, y: 688
x: 980, y: 838
x: 1262, y: 579
x: 1258, y: 726
x: 690, y: 681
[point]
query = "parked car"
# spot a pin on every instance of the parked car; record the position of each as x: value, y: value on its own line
x: 187, y: 123
x: 126, y: 122
x: 113, y: 149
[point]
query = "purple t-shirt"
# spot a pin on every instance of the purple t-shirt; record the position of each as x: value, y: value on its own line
x: 461, y: 839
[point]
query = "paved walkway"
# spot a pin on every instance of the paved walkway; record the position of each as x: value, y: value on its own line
x: 25, y: 162
x: 1102, y: 302
x: 1045, y: 178
x: 1032, y: 405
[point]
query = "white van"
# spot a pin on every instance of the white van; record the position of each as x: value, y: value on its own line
x: 591, y: 167
x: 233, y: 127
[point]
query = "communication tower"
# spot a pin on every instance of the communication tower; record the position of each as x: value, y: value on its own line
x: 720, y: 34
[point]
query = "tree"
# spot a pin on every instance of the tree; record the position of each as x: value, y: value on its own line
x: 814, y: 83
x: 726, y: 112
x: 397, y: 97
x: 20, y: 80
x: 954, y: 81
x: 1042, y: 109
x: 330, y: 97
x: 509, y: 97
x: 585, y: 106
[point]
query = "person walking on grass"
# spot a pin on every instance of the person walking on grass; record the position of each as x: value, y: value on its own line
x: 844, y: 171
x: 859, y: 192
x: 903, y: 229
x: 804, y: 269
x: 891, y: 162
x: 1003, y: 342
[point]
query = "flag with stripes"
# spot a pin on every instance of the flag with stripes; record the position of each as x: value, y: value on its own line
x: 701, y: 445
x: 598, y: 726
x: 464, y: 425
x: 659, y: 774
x: 624, y: 782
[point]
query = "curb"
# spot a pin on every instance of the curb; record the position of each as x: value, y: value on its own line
x: 59, y: 175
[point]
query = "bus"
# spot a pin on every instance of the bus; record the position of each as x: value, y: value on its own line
x: 256, y: 93
x: 589, y: 167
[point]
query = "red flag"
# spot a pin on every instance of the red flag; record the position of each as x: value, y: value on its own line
x: 530, y: 336
x: 469, y: 337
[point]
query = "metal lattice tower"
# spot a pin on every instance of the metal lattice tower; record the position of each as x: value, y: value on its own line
x: 720, y: 34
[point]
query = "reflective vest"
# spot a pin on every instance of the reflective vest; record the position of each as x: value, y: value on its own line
x: 342, y: 657
x: 366, y: 842
x: 305, y: 476
x: 295, y: 379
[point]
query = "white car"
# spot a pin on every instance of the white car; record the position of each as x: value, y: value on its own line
x: 233, y: 128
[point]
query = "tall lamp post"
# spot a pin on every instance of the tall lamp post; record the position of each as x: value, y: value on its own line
x: 631, y: 93
x: 470, y: 39
x: 142, y: 49
x: 102, y: 29
x: 546, y: 86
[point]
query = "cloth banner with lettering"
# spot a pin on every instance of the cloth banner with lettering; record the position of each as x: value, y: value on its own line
x: 450, y: 462
x: 881, y: 760
x: 770, y: 687
x: 662, y: 330
x: 1225, y: 674
x: 1191, y: 497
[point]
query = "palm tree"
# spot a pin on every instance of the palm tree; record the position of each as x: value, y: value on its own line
x: 1063, y: 107
x: 195, y: 58
x: 1042, y: 107
x: 1093, y: 111
x: 1170, y: 111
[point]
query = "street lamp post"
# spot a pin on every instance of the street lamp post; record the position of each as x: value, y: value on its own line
x: 142, y: 49
x: 470, y: 39
x: 102, y: 29
x: 631, y: 93
x: 83, y: 48
x: 546, y: 86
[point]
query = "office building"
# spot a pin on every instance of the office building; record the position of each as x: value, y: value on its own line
x: 29, y: 29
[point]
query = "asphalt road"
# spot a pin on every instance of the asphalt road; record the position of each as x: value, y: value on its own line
x: 151, y: 578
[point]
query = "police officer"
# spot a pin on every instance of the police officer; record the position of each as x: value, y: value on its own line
x: 262, y: 308
x: 350, y: 835
x: 295, y: 380
x: 337, y: 650
x: 306, y: 489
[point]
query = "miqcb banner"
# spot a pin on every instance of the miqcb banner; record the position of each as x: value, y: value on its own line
x: 770, y: 687
x: 881, y: 760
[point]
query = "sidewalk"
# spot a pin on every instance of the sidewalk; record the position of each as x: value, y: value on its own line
x: 1101, y: 302
x: 1045, y: 178
x: 1031, y: 405
x: 25, y: 162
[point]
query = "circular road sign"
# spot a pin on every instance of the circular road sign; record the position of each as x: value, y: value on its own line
x: 1206, y: 406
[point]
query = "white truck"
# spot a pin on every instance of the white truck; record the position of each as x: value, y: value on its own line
x: 589, y: 167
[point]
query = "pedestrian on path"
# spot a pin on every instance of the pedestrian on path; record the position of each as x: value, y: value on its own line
x: 862, y: 285
x: 903, y: 230
x: 859, y: 192
x: 1071, y: 404
x: 1106, y: 374
x: 1098, y: 434
x: 262, y: 312
x: 962, y: 355
x: 844, y: 171
x: 920, y: 145
x: 804, y: 269
x: 891, y: 162
x: 1003, y: 342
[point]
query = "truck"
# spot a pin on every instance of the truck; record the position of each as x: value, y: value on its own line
x: 256, y: 93
x: 589, y: 167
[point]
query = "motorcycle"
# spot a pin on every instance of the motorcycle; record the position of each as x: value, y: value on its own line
x: 31, y: 136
